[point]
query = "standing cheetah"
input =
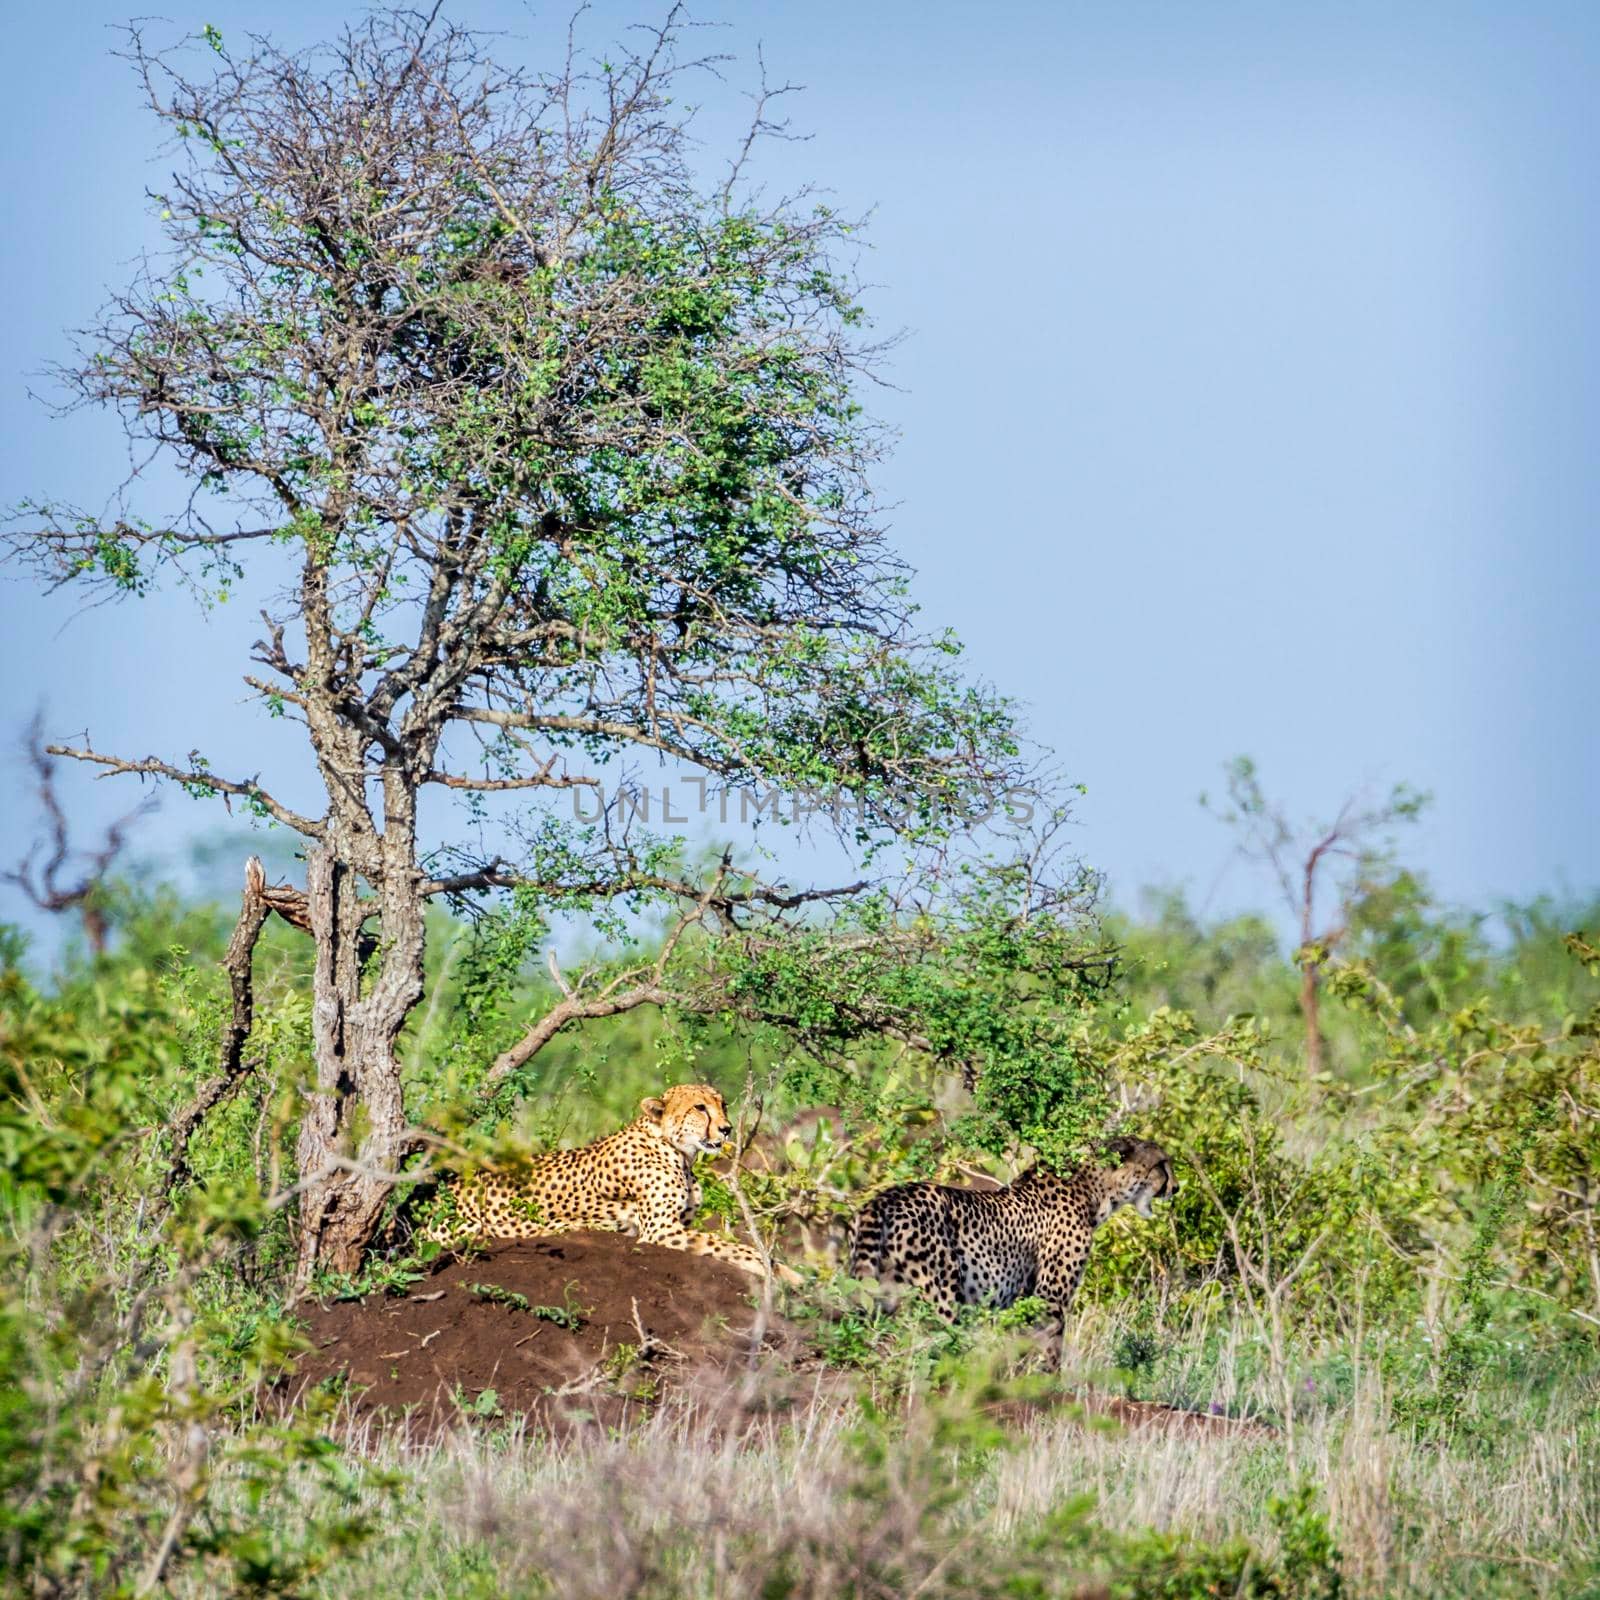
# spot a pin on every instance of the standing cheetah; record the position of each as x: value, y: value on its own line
x: 974, y: 1247
x: 637, y: 1180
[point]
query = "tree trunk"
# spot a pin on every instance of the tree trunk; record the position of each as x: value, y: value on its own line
x: 1310, y: 968
x: 96, y: 925
x: 1311, y: 1010
x: 354, y: 1134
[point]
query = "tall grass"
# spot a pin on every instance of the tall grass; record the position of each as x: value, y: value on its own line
x: 737, y: 1487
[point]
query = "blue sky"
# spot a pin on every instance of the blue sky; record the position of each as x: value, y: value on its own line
x: 1249, y: 401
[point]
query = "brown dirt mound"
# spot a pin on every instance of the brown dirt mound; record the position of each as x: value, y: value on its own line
x: 589, y: 1329
x: 576, y: 1328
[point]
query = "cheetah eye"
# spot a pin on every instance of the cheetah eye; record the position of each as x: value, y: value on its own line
x: 702, y: 1110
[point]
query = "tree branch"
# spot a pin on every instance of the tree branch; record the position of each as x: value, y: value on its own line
x: 534, y: 780
x: 572, y: 1010
x: 44, y: 888
x: 198, y: 778
x: 257, y: 902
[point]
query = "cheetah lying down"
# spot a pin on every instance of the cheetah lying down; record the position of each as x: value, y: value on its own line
x: 638, y: 1180
x: 974, y: 1247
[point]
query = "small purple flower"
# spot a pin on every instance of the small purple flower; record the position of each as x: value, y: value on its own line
x: 1311, y: 1385
x: 1216, y: 1408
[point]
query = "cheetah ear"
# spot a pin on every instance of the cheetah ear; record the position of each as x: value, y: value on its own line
x: 654, y: 1107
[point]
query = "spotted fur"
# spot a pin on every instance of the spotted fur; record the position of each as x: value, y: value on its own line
x: 974, y: 1247
x: 638, y: 1180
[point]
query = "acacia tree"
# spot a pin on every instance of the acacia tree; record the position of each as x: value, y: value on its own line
x: 557, y: 452
x: 1301, y: 862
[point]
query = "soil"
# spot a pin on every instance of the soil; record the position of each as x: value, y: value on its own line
x: 576, y: 1329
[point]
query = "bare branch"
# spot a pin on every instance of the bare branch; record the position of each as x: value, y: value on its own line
x: 196, y: 779
x: 570, y: 1010
x: 44, y: 887
x: 543, y: 779
x: 257, y: 901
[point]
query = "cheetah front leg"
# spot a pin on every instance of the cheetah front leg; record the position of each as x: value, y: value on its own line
x: 664, y: 1228
x: 1059, y: 1277
x: 476, y: 1221
x: 597, y: 1216
x: 734, y: 1251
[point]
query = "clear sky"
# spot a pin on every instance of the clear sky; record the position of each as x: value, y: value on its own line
x: 1250, y: 401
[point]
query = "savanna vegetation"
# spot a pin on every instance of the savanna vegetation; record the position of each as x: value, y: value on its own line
x: 1387, y: 1272
x: 552, y: 452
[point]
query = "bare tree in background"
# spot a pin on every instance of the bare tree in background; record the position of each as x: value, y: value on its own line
x: 1331, y: 860
x: 55, y: 877
x: 553, y: 453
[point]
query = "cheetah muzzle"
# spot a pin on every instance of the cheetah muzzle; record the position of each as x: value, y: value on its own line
x: 993, y: 1247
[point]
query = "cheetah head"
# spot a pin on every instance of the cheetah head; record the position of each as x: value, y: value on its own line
x: 690, y: 1117
x: 1136, y: 1174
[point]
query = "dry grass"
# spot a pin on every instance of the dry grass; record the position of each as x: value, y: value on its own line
x: 718, y: 1496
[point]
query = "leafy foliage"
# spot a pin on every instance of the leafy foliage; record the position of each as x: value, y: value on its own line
x: 127, y: 1399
